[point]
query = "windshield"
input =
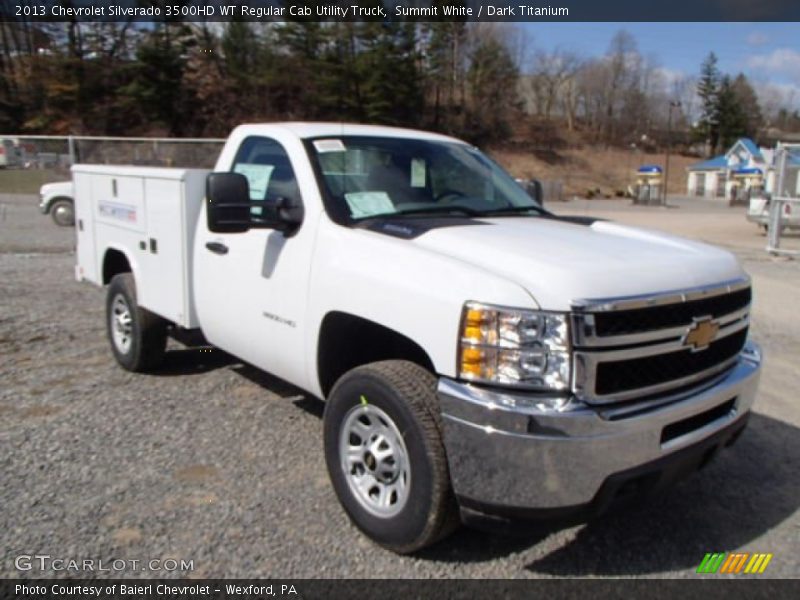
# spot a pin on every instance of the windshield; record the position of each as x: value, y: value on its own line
x: 367, y: 177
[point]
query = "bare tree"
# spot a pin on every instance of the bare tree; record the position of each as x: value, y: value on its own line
x: 551, y: 73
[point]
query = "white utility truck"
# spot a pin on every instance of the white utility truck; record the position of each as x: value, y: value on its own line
x: 482, y: 360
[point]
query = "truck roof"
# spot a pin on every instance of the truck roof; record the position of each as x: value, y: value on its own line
x: 310, y: 129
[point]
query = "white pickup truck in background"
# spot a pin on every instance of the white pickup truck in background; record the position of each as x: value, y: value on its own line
x: 57, y: 200
x: 482, y: 360
x: 758, y: 212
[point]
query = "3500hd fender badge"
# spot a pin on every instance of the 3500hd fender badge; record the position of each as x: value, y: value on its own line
x: 280, y: 320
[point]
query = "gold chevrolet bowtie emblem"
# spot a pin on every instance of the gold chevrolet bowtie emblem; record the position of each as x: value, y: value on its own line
x: 700, y: 334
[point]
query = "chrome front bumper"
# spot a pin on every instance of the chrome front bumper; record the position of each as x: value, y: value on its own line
x: 506, y: 456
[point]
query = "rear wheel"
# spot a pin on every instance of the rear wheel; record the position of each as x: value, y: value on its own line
x: 63, y: 212
x: 385, y: 455
x: 138, y: 337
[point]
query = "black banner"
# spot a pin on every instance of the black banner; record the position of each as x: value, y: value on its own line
x: 397, y: 10
x: 377, y: 589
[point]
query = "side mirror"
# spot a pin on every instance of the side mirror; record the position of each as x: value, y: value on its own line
x: 282, y: 214
x: 534, y: 189
x: 289, y: 215
x: 227, y: 203
x: 230, y: 210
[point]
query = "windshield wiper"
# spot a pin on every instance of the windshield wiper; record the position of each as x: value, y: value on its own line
x: 514, y: 210
x: 470, y: 212
x: 436, y: 210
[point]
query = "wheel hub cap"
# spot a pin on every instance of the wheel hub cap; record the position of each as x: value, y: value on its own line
x: 63, y: 214
x: 121, y: 324
x: 374, y: 459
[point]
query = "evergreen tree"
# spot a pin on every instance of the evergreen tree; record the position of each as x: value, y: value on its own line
x: 443, y: 68
x: 748, y: 102
x: 492, y: 79
x: 387, y: 68
x: 339, y: 93
x: 240, y: 47
x: 157, y: 81
x: 732, y: 120
x: 295, y: 85
x: 708, y: 90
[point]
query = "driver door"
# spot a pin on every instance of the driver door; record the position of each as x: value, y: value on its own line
x: 251, y: 286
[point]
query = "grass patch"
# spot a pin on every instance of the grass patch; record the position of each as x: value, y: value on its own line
x: 28, y: 181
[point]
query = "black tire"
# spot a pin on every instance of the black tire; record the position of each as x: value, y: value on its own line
x: 63, y: 212
x: 147, y: 339
x: 407, y: 394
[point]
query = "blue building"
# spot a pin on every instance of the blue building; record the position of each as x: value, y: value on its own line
x: 743, y: 169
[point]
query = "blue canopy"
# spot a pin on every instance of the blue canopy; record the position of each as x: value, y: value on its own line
x: 649, y: 169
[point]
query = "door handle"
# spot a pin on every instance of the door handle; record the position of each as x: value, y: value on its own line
x: 217, y: 247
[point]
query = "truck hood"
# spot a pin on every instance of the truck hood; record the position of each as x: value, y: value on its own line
x: 60, y: 187
x: 559, y: 262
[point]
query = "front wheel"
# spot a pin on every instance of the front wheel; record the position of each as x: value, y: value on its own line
x: 385, y: 455
x: 63, y: 212
x: 138, y: 337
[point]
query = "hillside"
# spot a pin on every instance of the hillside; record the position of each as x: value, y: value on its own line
x: 588, y: 168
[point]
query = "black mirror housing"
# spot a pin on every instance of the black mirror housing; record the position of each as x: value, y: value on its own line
x: 227, y: 203
x: 230, y: 210
x: 290, y: 213
x: 534, y: 189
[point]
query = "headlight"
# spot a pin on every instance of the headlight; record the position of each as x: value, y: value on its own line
x: 518, y: 347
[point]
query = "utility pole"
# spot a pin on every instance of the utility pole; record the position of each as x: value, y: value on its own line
x: 672, y: 104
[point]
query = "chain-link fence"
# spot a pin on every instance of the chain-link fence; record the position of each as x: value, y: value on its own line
x: 39, y: 159
x: 31, y: 161
x: 784, y: 208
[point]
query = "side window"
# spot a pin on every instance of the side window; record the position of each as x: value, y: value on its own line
x: 269, y: 173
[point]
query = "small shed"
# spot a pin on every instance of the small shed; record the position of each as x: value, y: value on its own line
x: 649, y: 184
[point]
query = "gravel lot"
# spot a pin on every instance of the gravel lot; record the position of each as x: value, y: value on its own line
x: 215, y: 462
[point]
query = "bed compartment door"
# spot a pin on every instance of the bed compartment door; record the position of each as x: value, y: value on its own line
x: 163, y: 285
x: 86, y: 267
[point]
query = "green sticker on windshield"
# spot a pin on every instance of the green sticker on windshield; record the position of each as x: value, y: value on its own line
x: 367, y: 204
x: 418, y: 173
x: 329, y: 146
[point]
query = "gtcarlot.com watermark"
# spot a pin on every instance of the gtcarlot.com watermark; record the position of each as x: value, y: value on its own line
x: 46, y: 562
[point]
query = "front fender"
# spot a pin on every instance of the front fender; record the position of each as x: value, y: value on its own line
x: 404, y: 287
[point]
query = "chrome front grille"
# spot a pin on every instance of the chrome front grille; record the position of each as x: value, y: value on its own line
x: 630, y: 348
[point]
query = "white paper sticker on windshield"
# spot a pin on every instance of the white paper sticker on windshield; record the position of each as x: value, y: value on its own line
x: 418, y: 173
x: 329, y: 146
x: 366, y: 204
x: 257, y: 178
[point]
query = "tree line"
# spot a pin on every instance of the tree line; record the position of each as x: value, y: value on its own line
x: 182, y: 79
x: 477, y: 81
x: 627, y: 99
